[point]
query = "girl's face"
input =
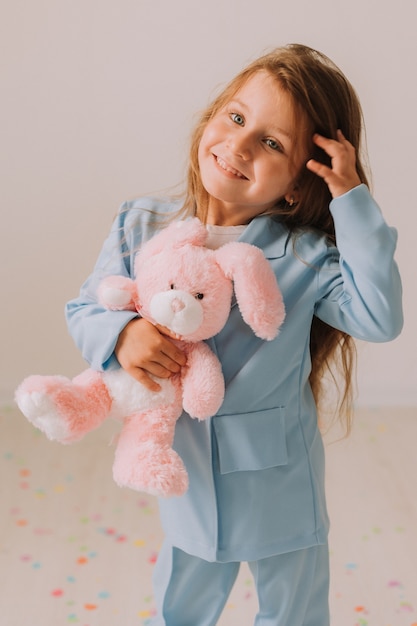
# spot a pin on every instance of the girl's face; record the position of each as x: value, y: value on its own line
x: 250, y: 152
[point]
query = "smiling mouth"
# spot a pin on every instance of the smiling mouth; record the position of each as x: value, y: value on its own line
x: 227, y: 168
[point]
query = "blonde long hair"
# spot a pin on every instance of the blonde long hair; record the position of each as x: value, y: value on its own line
x: 324, y: 98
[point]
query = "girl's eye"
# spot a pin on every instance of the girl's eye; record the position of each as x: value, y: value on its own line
x: 274, y: 145
x: 237, y: 119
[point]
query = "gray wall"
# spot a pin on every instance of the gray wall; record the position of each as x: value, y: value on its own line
x: 98, y: 98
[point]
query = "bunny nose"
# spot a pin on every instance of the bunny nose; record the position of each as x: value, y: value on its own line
x: 177, y: 305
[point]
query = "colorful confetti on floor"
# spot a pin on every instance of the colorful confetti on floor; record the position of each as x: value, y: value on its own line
x: 76, y: 549
x: 372, y: 499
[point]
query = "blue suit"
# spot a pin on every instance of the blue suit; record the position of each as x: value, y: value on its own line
x: 257, y: 467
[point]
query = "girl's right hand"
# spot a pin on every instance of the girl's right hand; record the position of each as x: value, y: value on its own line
x: 144, y: 349
x: 342, y: 176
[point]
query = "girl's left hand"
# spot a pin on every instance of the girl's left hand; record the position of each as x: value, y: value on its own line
x: 342, y: 175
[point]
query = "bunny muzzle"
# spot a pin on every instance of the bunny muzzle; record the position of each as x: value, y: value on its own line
x: 178, y: 310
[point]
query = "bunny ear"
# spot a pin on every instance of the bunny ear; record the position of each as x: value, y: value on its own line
x: 256, y: 288
x: 175, y: 235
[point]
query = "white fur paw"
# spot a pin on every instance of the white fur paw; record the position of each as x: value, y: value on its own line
x: 38, y: 408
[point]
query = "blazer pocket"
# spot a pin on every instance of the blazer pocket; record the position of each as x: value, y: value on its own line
x: 251, y: 441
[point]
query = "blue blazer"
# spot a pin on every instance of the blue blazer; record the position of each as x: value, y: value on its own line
x: 257, y: 467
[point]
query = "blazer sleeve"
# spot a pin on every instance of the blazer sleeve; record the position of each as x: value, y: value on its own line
x: 359, y: 284
x: 94, y: 329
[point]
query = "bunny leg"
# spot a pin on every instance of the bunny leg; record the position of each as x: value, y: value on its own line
x: 144, y: 458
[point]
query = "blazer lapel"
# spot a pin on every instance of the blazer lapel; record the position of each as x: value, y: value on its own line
x: 267, y: 234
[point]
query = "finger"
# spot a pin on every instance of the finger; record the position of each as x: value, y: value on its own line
x: 319, y: 168
x: 171, y: 365
x: 144, y: 378
x: 170, y: 350
x: 167, y: 332
x: 340, y: 136
x: 332, y: 147
x: 172, y: 357
x: 335, y: 148
x: 342, y: 139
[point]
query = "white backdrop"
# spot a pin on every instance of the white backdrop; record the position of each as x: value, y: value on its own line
x: 97, y: 101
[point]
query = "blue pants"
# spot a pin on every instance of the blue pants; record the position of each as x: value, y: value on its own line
x: 292, y: 588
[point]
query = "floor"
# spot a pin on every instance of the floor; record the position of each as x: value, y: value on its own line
x: 76, y: 549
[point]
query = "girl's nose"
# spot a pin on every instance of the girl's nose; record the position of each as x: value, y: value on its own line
x: 240, y: 144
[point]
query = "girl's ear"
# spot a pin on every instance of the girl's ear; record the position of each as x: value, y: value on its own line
x: 293, y: 196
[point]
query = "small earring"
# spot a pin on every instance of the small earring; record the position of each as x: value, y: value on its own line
x: 291, y: 202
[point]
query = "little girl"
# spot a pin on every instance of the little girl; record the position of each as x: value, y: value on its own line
x: 274, y: 162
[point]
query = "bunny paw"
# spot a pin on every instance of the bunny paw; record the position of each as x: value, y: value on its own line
x: 159, y: 473
x: 41, y: 410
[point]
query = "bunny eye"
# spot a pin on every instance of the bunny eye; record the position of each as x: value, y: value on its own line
x: 199, y: 296
x: 172, y: 286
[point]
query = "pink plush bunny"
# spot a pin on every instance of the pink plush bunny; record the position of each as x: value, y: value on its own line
x: 188, y: 288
